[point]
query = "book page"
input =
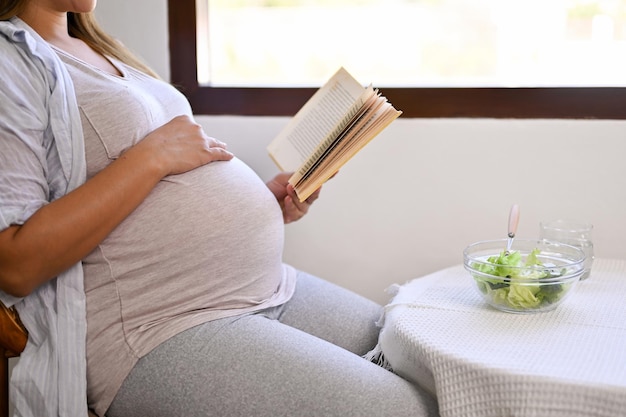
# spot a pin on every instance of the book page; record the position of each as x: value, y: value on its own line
x: 321, y: 119
x: 352, y: 130
x: 340, y: 155
x: 337, y: 136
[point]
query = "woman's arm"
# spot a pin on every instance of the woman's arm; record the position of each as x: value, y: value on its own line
x: 63, y: 232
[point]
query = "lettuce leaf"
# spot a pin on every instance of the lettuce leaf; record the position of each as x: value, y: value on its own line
x: 518, y: 295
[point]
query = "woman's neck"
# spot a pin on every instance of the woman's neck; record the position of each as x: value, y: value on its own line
x: 50, y: 24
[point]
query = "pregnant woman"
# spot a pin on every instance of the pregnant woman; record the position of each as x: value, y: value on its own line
x: 145, y: 259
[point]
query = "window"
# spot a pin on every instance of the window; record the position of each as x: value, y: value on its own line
x: 499, y: 85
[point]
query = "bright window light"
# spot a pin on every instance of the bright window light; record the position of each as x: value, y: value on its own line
x: 413, y: 43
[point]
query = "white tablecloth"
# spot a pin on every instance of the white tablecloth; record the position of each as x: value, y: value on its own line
x: 478, y: 361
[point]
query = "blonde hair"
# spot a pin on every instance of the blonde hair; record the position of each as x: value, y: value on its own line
x: 84, y: 27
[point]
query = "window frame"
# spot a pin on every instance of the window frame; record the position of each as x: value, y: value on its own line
x: 432, y: 102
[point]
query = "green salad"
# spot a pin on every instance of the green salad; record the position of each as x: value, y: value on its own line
x: 518, y: 290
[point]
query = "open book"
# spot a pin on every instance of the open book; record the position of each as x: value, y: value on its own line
x: 333, y: 125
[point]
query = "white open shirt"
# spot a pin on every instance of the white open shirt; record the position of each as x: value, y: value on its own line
x: 41, y: 159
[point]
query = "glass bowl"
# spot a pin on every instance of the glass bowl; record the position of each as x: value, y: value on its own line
x: 535, y: 276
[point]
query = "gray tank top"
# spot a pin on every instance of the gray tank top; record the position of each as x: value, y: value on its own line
x: 204, y: 245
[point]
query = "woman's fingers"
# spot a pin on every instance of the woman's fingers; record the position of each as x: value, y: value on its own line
x: 214, y: 143
x: 294, y: 209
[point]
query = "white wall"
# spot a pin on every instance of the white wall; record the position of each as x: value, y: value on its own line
x: 412, y: 200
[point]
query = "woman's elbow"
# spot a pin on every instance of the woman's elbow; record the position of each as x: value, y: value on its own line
x: 15, y: 284
x: 15, y: 265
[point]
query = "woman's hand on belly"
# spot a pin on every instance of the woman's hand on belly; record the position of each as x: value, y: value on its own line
x: 181, y: 145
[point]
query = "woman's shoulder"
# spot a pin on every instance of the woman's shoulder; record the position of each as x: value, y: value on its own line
x: 21, y: 47
x: 28, y: 64
x: 18, y: 36
x: 11, y: 37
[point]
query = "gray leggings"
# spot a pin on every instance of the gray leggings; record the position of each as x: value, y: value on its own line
x: 299, y: 359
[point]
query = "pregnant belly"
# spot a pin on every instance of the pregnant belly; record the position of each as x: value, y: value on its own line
x: 210, y: 238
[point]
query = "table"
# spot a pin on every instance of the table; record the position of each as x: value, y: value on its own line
x: 478, y: 361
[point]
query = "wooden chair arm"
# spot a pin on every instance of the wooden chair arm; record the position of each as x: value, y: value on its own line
x: 13, y: 334
x: 13, y: 337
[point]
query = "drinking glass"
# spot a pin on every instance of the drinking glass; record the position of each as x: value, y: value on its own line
x: 570, y: 232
